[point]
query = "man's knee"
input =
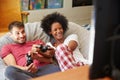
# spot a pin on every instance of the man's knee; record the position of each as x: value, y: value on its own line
x: 10, y: 70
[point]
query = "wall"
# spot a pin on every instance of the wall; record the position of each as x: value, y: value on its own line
x: 80, y: 15
x: 9, y: 11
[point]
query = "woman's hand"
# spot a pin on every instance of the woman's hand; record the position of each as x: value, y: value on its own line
x: 72, y: 45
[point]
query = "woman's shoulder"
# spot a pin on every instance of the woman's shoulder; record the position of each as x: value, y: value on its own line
x: 72, y: 36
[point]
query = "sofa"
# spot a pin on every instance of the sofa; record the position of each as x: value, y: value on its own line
x: 34, y: 31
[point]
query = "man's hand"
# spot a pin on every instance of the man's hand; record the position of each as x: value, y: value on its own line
x: 31, y: 68
x: 49, y: 53
x: 36, y: 50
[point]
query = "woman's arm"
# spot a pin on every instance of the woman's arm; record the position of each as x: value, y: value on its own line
x: 72, y: 45
x: 72, y: 42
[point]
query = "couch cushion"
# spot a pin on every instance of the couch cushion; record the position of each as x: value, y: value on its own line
x: 2, y: 70
x: 83, y: 36
x: 5, y: 39
x: 34, y: 31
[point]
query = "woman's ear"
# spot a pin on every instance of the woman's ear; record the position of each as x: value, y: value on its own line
x: 50, y: 32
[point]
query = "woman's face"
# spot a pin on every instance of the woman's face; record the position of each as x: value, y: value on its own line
x: 57, y: 31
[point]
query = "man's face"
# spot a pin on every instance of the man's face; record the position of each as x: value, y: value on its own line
x: 18, y: 34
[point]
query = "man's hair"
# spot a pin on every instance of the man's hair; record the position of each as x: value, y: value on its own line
x: 15, y: 24
x: 48, y: 20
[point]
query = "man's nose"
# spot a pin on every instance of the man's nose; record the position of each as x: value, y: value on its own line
x: 21, y: 35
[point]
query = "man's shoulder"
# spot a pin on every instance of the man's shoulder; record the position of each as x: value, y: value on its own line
x: 8, y: 45
x: 38, y: 41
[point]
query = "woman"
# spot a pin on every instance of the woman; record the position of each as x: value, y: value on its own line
x: 67, y: 52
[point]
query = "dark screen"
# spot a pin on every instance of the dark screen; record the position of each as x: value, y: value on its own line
x: 107, y: 38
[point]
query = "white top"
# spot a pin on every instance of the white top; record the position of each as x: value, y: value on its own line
x: 76, y: 53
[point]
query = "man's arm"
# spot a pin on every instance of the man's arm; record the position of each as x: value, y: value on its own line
x: 10, y: 60
x: 47, y: 54
x: 43, y: 57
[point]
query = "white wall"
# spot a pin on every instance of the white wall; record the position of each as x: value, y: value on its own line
x: 80, y: 15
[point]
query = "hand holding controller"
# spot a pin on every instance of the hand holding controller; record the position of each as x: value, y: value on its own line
x: 44, y: 48
x: 29, y: 59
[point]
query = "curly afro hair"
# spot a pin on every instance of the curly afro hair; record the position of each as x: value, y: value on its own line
x: 48, y: 20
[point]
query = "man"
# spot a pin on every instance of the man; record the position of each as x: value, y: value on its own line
x: 26, y: 60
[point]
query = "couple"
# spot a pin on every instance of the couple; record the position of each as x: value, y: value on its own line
x: 65, y: 50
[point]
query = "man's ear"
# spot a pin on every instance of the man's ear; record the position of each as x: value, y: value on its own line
x: 10, y: 34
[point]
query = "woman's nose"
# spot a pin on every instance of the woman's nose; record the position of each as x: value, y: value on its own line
x: 58, y: 30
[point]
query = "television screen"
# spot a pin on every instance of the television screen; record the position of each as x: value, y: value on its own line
x: 107, y: 40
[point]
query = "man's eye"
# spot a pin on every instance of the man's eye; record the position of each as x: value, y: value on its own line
x: 16, y: 33
x: 23, y: 32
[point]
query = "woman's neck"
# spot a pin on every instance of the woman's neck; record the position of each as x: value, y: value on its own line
x: 58, y: 42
